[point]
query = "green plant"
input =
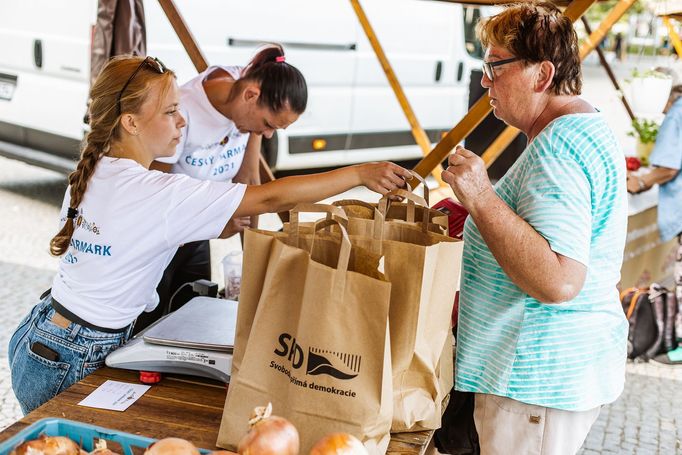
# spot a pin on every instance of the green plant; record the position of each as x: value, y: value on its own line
x: 645, y: 129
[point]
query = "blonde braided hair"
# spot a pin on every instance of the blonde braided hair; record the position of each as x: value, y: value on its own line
x: 105, y: 127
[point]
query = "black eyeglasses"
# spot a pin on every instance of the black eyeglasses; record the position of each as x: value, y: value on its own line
x: 153, y: 63
x: 489, y: 66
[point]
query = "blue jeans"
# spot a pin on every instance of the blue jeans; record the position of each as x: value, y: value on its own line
x: 81, y: 351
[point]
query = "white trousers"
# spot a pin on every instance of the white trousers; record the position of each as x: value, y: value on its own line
x: 509, y: 427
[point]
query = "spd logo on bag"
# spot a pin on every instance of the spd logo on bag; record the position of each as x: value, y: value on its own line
x: 338, y: 365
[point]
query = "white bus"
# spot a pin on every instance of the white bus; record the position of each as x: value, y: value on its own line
x: 352, y: 115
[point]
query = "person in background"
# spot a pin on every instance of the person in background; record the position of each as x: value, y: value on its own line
x: 228, y: 109
x: 666, y: 161
x: 619, y: 46
x: 541, y: 334
x: 121, y: 224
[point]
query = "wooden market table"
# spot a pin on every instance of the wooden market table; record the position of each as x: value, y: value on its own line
x: 179, y: 406
x: 646, y: 259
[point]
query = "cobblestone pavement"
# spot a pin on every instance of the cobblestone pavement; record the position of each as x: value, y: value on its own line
x: 29, y: 199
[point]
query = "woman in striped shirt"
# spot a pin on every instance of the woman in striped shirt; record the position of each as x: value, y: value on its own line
x: 541, y: 336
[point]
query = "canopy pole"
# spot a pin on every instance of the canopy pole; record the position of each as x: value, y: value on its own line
x: 609, y: 71
x: 609, y: 21
x: 418, y: 132
x: 674, y: 37
x: 185, y: 35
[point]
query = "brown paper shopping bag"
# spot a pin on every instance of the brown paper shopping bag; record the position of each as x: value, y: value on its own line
x: 318, y: 345
x: 423, y: 268
x: 257, y: 247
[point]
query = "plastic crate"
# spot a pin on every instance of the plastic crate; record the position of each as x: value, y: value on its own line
x: 83, y: 434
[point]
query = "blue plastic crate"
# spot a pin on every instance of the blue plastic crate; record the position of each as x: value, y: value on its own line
x: 81, y: 433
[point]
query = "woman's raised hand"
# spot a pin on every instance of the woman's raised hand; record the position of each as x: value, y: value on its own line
x: 383, y: 177
x: 467, y: 176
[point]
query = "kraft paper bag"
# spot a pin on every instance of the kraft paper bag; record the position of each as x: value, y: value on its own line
x: 317, y: 346
x: 424, y: 269
x: 257, y: 246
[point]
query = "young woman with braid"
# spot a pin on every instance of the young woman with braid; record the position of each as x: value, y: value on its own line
x: 228, y: 109
x: 121, y: 224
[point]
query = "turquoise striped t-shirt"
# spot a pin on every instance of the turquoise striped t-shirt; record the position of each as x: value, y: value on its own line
x: 569, y: 184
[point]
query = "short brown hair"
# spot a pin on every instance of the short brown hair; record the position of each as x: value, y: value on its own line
x: 537, y: 32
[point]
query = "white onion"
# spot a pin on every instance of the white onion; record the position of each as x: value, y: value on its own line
x: 269, y: 435
x: 339, y: 444
x: 172, y: 446
x: 48, y: 445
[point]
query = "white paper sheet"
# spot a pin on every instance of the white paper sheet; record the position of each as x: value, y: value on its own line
x: 114, y: 395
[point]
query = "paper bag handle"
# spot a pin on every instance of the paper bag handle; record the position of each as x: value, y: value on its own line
x: 378, y: 217
x: 307, y: 207
x: 421, y: 182
x: 344, y: 253
x: 412, y: 200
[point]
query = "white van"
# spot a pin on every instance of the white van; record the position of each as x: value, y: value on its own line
x: 45, y: 61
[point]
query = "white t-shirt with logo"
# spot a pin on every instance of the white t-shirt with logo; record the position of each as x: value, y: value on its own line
x: 211, y: 147
x: 129, y: 226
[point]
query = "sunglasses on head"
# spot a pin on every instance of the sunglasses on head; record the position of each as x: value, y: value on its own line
x: 152, y: 63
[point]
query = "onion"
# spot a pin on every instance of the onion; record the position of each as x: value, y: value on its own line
x: 269, y: 435
x: 48, y: 445
x: 339, y: 444
x: 172, y: 446
x: 101, y: 449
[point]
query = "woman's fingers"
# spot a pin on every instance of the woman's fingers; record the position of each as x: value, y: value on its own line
x: 397, y: 179
x: 447, y: 176
x: 401, y: 171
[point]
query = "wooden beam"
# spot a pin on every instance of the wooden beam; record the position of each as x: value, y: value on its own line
x: 609, y: 71
x: 418, y: 132
x: 185, y: 35
x: 200, y: 63
x: 599, y: 34
x: 478, y: 112
x: 499, y: 145
x: 465, y: 126
x: 674, y: 37
x: 577, y: 8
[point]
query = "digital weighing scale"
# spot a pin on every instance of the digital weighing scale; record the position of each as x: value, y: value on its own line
x: 196, y: 339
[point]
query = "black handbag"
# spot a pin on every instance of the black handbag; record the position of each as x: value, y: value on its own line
x: 457, y: 434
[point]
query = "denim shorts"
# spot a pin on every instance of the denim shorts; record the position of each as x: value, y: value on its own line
x: 81, y: 350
